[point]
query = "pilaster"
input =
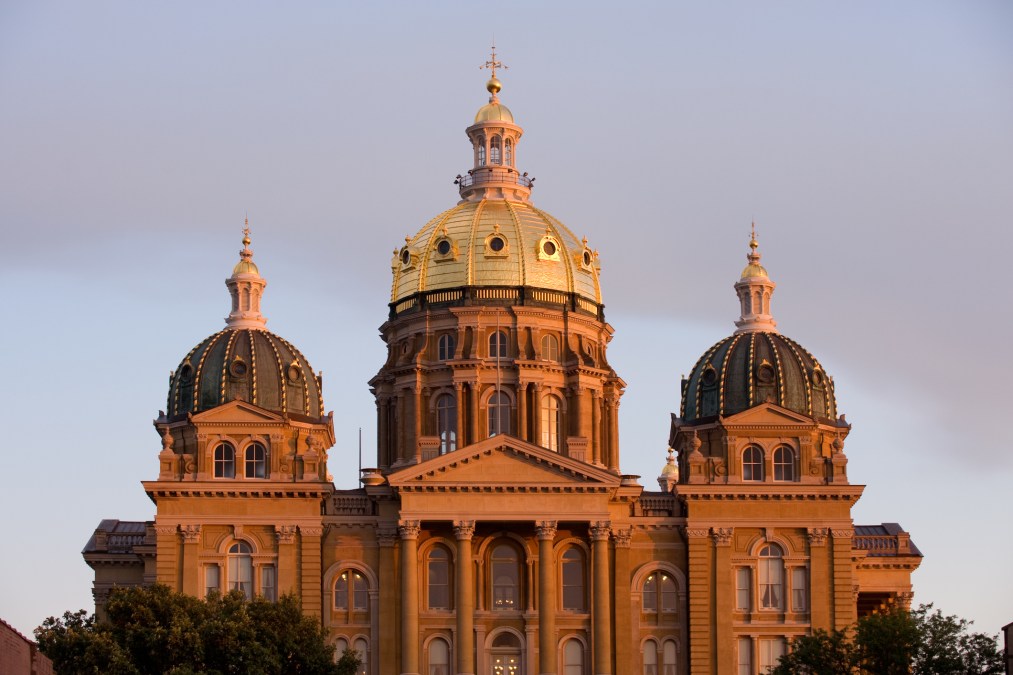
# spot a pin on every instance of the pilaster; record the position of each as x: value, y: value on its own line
x: 409, y: 532
x: 546, y: 531
x: 310, y: 570
x: 601, y: 589
x: 701, y: 643
x: 464, y: 598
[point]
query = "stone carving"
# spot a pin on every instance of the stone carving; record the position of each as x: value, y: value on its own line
x: 311, y: 531
x: 285, y: 533
x: 622, y: 536
x: 408, y: 529
x: 722, y: 536
x: 600, y: 530
x: 191, y: 533
x: 545, y: 529
x: 817, y: 536
x: 464, y: 529
x: 697, y: 532
x: 386, y: 537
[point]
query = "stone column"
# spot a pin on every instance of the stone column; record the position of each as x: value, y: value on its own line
x: 464, y: 598
x: 191, y: 561
x: 613, y: 453
x: 819, y: 589
x: 381, y: 432
x: 724, y: 599
x: 414, y: 452
x: 601, y: 588
x: 522, y: 411
x: 288, y: 570
x: 409, y: 531
x: 626, y: 651
x: 400, y: 432
x: 537, y: 414
x: 546, y: 531
x: 596, y: 427
x: 386, y: 539
x: 473, y: 417
x: 459, y: 393
x: 310, y: 570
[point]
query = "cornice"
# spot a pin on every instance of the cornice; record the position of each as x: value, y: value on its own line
x: 765, y: 492
x: 156, y: 489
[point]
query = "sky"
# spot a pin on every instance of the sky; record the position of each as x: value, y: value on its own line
x: 869, y: 141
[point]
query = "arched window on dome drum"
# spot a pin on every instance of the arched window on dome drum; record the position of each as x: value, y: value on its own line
x: 574, y: 585
x: 480, y: 156
x: 508, y: 151
x: 771, y: 577
x: 446, y: 422
x: 784, y: 464
x: 659, y: 593
x: 241, y: 569
x: 495, y: 155
x: 256, y: 461
x: 505, y: 575
x: 499, y: 414
x: 498, y: 345
x: 752, y: 463
x: 445, y: 347
x: 573, y: 658
x: 439, y: 657
x: 225, y: 461
x: 550, y: 348
x: 551, y: 422
x: 438, y: 578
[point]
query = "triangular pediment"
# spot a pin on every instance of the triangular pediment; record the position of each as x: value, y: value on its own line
x: 503, y: 461
x: 237, y: 412
x: 768, y: 414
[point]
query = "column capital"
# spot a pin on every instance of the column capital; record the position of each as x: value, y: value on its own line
x: 285, y: 533
x: 464, y: 529
x: 386, y: 537
x: 600, y: 530
x: 817, y: 536
x: 408, y: 529
x: 545, y: 530
x: 722, y: 536
x: 622, y: 535
x: 191, y: 533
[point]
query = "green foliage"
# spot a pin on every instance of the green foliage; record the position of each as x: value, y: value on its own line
x: 349, y: 662
x: 899, y: 642
x: 156, y: 630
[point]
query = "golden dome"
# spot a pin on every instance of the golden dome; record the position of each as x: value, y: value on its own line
x: 494, y: 112
x: 495, y: 242
x: 245, y: 267
x: 754, y: 270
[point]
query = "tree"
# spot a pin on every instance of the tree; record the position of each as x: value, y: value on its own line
x: 901, y: 642
x: 349, y: 662
x: 156, y: 630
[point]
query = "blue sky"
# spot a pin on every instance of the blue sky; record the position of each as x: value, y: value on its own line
x: 871, y: 142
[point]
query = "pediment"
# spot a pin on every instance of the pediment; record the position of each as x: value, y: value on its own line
x: 236, y: 412
x: 768, y: 414
x: 503, y: 462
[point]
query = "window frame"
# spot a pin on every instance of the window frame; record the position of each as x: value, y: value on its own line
x: 514, y: 585
x: 551, y: 422
x: 573, y: 558
x: 770, y: 577
x: 498, y: 344
x: 239, y: 574
x: 752, y: 464
x: 224, y: 460
x: 446, y: 422
x: 447, y: 583
x: 784, y: 470
x: 499, y: 409
x: 662, y: 602
x: 550, y: 347
x: 260, y: 463
x: 445, y: 347
x: 433, y: 667
x: 353, y: 592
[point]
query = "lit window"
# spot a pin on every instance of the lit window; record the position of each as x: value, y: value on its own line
x: 241, y: 569
x: 659, y: 591
x: 550, y: 348
x: 439, y: 578
x: 256, y: 461
x: 505, y: 592
x: 212, y: 579
x: 771, y: 573
x: 439, y: 657
x: 573, y: 581
x: 752, y: 463
x: 351, y: 585
x: 445, y: 347
x: 494, y: 151
x: 743, y: 589
x: 499, y: 414
x: 508, y: 148
x: 745, y: 653
x: 799, y: 594
x: 446, y: 422
x: 225, y: 461
x: 552, y: 420
x: 771, y: 652
x: 362, y: 651
x: 784, y: 464
x: 573, y: 658
x: 498, y: 345
x: 650, y: 658
x: 268, y: 583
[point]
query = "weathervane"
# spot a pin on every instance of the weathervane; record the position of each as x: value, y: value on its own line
x: 492, y: 64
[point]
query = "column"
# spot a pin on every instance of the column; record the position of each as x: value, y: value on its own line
x: 537, y: 414
x: 400, y: 432
x: 473, y: 416
x: 626, y: 652
x: 464, y: 598
x: 819, y: 589
x: 413, y: 450
x: 409, y: 532
x: 522, y: 411
x: 381, y: 433
x: 310, y: 570
x: 701, y: 643
x: 602, y: 660
x: 596, y: 428
x: 459, y: 394
x: 613, y: 454
x: 191, y: 560
x: 724, y: 598
x: 546, y: 531
x: 288, y: 571
x: 386, y: 539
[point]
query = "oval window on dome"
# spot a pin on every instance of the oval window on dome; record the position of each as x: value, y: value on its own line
x: 549, y: 248
x: 294, y: 373
x: 238, y: 368
x: 587, y: 258
x: 497, y: 244
x: 765, y: 373
x: 710, y: 376
x: 817, y: 378
x: 186, y: 372
x: 406, y: 257
x: 443, y: 248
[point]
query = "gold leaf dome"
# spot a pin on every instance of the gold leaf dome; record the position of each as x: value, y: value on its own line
x: 494, y: 112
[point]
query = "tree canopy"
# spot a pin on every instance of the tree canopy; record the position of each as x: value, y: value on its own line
x: 157, y: 630
x: 898, y: 642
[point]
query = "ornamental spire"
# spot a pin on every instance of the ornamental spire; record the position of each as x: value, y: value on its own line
x: 246, y: 286
x: 754, y: 289
x: 493, y: 85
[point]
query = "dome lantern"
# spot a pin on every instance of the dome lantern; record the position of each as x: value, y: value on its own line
x: 246, y: 286
x: 754, y: 289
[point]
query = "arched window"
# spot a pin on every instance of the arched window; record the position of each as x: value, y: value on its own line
x: 552, y: 422
x: 225, y: 461
x: 497, y: 345
x: 668, y: 658
x: 771, y: 577
x: 362, y: 651
x: 650, y: 658
x: 660, y: 592
x: 752, y: 463
x: 505, y: 655
x: 445, y: 347
x: 438, y: 571
x: 481, y: 151
x: 784, y: 464
x: 574, y: 584
x: 499, y: 414
x: 495, y: 155
x: 446, y: 422
x: 550, y: 348
x: 340, y: 645
x: 439, y: 657
x: 508, y: 147
x: 505, y: 578
x: 256, y: 461
x: 573, y: 658
x: 241, y: 569
x: 351, y: 585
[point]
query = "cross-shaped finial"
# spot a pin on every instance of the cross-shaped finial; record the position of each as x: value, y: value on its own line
x: 492, y: 64
x: 752, y: 236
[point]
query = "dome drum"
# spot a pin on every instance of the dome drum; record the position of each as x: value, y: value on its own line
x: 490, y: 296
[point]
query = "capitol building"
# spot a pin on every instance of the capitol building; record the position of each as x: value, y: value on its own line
x: 496, y: 532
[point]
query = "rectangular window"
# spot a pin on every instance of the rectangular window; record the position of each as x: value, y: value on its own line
x: 743, y: 589
x: 268, y: 584
x: 212, y: 579
x: 799, y: 590
x: 745, y: 652
x: 770, y: 652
